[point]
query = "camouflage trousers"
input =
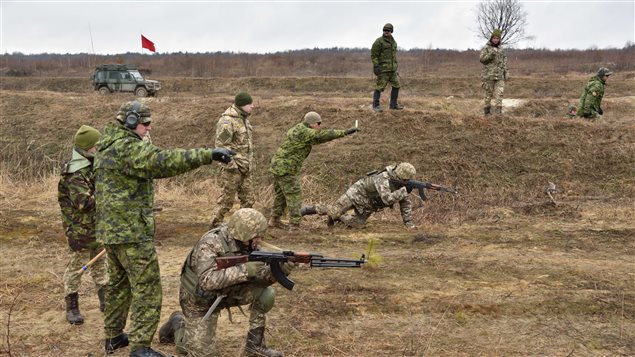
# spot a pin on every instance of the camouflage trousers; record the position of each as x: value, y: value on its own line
x: 287, y: 194
x: 387, y: 77
x: 197, y: 338
x: 338, y: 212
x: 233, y: 182
x: 493, y: 90
x: 134, y: 284
x: 78, y: 258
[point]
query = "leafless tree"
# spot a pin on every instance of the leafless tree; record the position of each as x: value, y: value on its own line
x: 506, y: 15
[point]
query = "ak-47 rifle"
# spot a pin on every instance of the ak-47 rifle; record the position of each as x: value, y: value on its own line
x: 421, y: 186
x: 274, y: 259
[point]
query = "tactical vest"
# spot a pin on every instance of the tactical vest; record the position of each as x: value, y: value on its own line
x: 189, y: 279
x: 368, y: 183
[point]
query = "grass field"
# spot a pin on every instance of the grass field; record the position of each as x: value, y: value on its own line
x: 496, y: 270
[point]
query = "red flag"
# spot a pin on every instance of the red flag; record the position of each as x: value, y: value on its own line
x: 145, y: 43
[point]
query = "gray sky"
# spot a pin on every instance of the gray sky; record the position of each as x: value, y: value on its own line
x: 267, y: 26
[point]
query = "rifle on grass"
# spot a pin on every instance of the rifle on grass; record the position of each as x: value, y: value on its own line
x: 421, y: 186
x: 274, y: 259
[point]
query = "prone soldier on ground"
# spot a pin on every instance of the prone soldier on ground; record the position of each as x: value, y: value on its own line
x: 76, y: 197
x: 125, y: 166
x: 494, y: 73
x: 591, y: 100
x: 383, y: 54
x: 287, y: 162
x: 234, y: 132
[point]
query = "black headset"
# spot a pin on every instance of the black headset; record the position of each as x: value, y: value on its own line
x: 132, y: 116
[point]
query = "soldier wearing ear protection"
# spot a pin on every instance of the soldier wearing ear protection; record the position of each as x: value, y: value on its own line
x: 125, y: 166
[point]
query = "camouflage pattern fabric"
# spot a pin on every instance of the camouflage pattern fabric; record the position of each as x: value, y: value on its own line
x: 124, y: 168
x: 493, y: 90
x: 197, y: 338
x: 234, y: 132
x: 287, y: 194
x: 98, y: 271
x: 134, y: 282
x: 297, y: 145
x: 384, y: 53
x: 591, y: 98
x: 76, y: 197
x: 368, y: 195
x: 385, y: 78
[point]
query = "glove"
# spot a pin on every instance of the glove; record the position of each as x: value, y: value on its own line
x: 600, y: 111
x: 223, y: 155
x: 377, y: 69
x: 253, y: 268
x: 351, y: 131
x: 409, y: 187
x: 287, y: 267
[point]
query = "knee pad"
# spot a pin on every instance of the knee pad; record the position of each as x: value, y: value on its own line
x: 264, y: 298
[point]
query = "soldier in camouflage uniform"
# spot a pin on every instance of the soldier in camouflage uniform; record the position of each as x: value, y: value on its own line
x: 383, y: 53
x: 287, y: 162
x: 76, y: 196
x: 591, y: 98
x: 494, y: 73
x: 202, y: 282
x: 368, y: 195
x: 125, y: 166
x: 234, y: 132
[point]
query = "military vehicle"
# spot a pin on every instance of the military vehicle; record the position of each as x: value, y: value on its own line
x: 109, y: 78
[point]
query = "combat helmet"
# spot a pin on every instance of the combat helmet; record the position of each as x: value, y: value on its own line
x: 246, y: 224
x: 405, y: 171
x: 388, y: 27
x: 603, y: 71
x: 134, y: 109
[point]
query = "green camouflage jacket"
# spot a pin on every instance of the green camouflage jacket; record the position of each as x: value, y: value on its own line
x: 591, y: 98
x: 494, y: 63
x: 384, y: 53
x: 76, y: 197
x: 297, y: 146
x: 234, y: 132
x: 124, y: 168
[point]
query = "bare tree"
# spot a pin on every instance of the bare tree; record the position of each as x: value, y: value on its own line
x: 506, y: 15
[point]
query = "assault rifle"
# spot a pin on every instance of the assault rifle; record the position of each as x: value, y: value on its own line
x: 274, y: 259
x: 421, y: 186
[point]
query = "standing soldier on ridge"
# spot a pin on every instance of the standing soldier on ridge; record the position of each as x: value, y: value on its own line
x: 494, y: 73
x: 287, y: 162
x: 76, y: 196
x: 384, y: 57
x: 125, y: 166
x: 234, y: 132
x: 592, y: 95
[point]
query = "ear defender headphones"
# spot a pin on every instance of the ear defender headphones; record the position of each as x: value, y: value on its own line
x: 132, y: 116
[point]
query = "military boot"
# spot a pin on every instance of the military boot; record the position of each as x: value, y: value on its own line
x: 498, y: 110
x: 101, y: 294
x: 175, y: 322
x: 115, y: 343
x: 308, y: 210
x: 376, y: 97
x: 146, y: 352
x: 394, y: 94
x: 487, y: 110
x: 73, y: 316
x: 277, y: 223
x: 255, y: 346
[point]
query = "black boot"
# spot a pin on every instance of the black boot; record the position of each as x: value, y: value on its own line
x: 115, y: 343
x: 394, y: 94
x: 73, y: 316
x: 146, y: 352
x: 101, y: 294
x: 256, y: 347
x: 487, y: 110
x: 175, y: 322
x: 376, y: 106
x: 308, y: 210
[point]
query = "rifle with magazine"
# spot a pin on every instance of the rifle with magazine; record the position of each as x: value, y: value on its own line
x: 421, y: 187
x: 274, y: 259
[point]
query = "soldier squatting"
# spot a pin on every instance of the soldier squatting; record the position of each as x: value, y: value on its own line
x: 106, y: 199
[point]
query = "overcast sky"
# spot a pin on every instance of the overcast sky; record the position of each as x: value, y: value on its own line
x: 268, y: 26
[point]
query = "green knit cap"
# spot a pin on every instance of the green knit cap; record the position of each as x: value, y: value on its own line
x: 86, y: 137
x: 242, y: 99
x: 497, y: 33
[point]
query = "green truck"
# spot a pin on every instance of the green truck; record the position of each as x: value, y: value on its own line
x: 109, y: 78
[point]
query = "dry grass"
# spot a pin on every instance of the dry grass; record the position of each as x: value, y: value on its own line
x: 496, y: 270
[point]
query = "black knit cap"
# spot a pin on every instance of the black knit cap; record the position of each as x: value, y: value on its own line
x: 242, y: 99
